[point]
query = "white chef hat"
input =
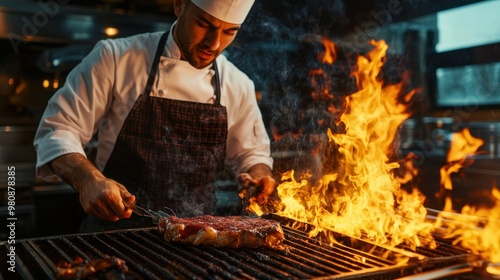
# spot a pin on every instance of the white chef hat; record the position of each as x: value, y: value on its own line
x: 232, y: 11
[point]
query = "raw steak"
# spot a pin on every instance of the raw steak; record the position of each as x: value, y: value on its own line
x: 220, y: 231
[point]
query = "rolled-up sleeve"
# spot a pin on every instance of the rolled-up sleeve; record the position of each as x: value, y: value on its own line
x: 75, y: 110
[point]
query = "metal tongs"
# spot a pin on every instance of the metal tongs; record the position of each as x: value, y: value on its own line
x: 143, y: 212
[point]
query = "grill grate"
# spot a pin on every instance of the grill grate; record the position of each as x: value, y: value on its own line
x: 149, y: 257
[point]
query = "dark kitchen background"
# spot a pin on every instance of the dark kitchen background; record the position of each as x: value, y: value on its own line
x: 448, y: 50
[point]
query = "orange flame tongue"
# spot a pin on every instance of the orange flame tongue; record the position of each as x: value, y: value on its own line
x: 477, y: 228
x: 464, y: 145
x: 485, y: 238
x: 363, y: 197
x: 330, y: 52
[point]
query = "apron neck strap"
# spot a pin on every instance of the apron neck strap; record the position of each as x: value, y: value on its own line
x: 217, y: 83
x: 156, y: 60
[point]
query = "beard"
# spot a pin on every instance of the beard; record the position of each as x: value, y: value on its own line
x: 192, y: 52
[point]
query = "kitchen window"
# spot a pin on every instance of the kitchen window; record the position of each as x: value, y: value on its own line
x: 467, y: 57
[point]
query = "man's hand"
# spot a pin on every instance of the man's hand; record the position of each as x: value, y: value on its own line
x: 258, y: 186
x: 104, y: 198
x: 261, y: 188
x: 99, y: 196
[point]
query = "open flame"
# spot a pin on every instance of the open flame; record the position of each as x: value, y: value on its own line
x: 484, y: 237
x: 330, y: 55
x: 476, y: 228
x: 463, y: 146
x: 363, y: 197
x: 319, y: 79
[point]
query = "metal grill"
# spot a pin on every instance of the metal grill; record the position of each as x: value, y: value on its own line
x: 149, y: 257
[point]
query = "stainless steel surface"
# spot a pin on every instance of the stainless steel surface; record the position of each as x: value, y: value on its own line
x: 459, y: 216
x: 489, y: 132
x: 407, y: 134
x: 441, y: 272
x: 435, y: 135
x: 480, y: 268
x: 429, y: 135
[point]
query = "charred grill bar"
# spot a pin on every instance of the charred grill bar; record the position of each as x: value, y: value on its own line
x: 149, y: 257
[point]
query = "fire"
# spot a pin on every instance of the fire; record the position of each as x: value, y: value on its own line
x: 484, y: 238
x: 474, y: 228
x: 408, y: 170
x: 463, y: 146
x: 319, y: 78
x: 330, y: 52
x: 363, y: 197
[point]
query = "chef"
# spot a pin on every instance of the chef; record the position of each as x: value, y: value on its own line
x: 168, y: 110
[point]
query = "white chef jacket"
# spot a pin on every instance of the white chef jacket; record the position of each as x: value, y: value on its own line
x: 99, y: 93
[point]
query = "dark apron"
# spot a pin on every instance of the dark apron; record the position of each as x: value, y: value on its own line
x: 168, y: 154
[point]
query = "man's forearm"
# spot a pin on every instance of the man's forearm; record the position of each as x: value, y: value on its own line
x: 99, y: 196
x: 75, y: 169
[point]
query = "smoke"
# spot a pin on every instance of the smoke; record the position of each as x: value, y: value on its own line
x: 261, y: 47
x: 277, y: 47
x: 280, y: 45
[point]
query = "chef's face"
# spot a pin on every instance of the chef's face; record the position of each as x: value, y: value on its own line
x: 200, y: 36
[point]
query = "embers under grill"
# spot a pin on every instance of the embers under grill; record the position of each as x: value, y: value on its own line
x: 149, y: 257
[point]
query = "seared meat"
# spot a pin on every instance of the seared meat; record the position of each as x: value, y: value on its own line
x: 218, y: 231
x: 80, y: 269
